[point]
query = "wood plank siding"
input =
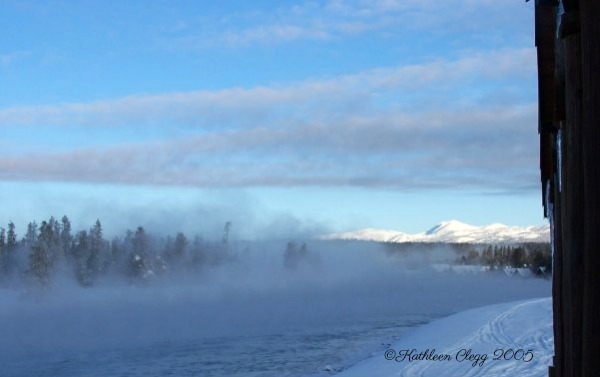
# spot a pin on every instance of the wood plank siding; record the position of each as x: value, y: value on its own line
x: 568, y: 49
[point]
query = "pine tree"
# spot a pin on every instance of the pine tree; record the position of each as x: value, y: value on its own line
x: 2, y: 238
x: 32, y: 233
x: 139, y: 261
x: 54, y: 241
x: 82, y: 253
x: 66, y: 239
x: 96, y: 244
x: 517, y: 257
x: 11, y: 246
x: 47, y: 242
x: 3, y: 254
x: 11, y: 237
x: 45, y: 233
x: 181, y: 243
x: 40, y: 265
x: 140, y: 242
x: 117, y: 253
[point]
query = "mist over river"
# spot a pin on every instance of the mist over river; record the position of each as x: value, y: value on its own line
x: 262, y: 313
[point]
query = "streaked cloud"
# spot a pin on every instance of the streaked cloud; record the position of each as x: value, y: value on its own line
x: 338, y: 19
x: 443, y: 149
x: 237, y: 106
x: 298, y: 103
x: 442, y: 123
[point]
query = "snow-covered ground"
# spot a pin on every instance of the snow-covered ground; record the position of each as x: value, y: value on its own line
x: 452, y: 231
x: 523, y: 325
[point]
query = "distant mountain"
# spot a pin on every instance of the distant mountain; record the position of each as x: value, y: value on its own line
x: 452, y: 232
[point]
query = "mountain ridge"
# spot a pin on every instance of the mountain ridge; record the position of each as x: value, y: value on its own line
x: 451, y: 231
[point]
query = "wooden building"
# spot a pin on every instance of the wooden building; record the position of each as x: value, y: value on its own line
x: 567, y: 37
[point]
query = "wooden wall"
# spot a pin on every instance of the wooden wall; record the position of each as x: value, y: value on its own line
x: 568, y: 46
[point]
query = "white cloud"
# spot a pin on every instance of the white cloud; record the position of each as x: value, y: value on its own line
x: 269, y: 104
x: 319, y: 21
x: 403, y: 127
x: 269, y: 33
x: 450, y: 149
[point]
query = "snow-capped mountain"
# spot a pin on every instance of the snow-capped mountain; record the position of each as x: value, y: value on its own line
x: 452, y: 232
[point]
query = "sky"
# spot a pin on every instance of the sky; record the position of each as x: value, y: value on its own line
x: 282, y: 117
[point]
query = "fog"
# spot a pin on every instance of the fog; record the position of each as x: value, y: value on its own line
x: 259, y: 289
x: 160, y: 210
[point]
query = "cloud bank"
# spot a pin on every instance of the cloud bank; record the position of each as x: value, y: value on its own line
x: 441, y: 124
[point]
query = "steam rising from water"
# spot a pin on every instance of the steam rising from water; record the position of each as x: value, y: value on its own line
x: 334, y: 286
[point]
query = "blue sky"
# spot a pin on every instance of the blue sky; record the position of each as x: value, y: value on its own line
x: 284, y: 117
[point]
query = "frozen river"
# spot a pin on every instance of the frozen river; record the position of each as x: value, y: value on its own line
x: 253, y: 318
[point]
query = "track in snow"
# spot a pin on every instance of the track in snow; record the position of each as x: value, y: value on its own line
x: 523, y: 325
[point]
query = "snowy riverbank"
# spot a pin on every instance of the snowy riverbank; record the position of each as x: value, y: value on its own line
x: 252, y: 316
x: 522, y: 325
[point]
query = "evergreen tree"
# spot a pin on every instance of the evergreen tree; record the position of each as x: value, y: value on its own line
x: 117, y: 253
x: 40, y: 265
x: 140, y: 242
x: 49, y: 233
x: 487, y: 257
x: 472, y: 256
x: 517, y: 257
x: 179, y: 247
x: 97, y: 246
x: 66, y: 239
x: 54, y: 240
x: 11, y: 246
x: 2, y: 238
x: 3, y: 254
x: 47, y: 242
x: 11, y: 237
x: 32, y: 234
x: 81, y: 253
x: 139, y: 261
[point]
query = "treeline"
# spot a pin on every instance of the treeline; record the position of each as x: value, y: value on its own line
x: 527, y: 255
x: 51, y: 250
